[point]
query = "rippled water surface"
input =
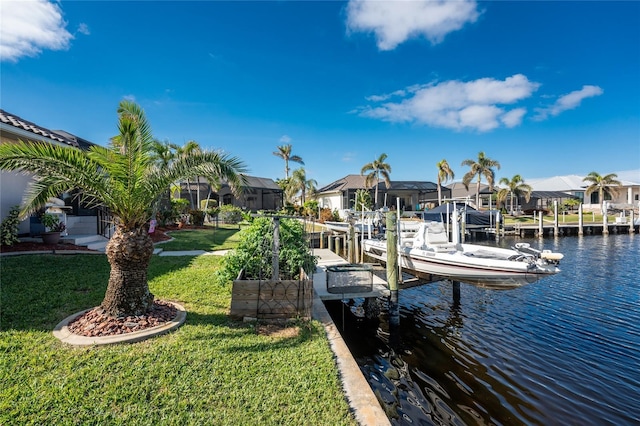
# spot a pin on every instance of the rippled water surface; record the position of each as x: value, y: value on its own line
x: 564, y: 350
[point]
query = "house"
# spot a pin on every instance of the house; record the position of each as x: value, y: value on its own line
x: 459, y: 191
x: 413, y: 195
x: 259, y: 194
x: 573, y: 186
x: 13, y: 184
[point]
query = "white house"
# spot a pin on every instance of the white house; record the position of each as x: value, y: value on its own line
x: 628, y: 195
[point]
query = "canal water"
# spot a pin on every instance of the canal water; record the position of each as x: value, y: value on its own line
x: 562, y: 351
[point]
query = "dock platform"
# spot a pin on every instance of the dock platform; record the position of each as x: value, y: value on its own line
x: 328, y: 258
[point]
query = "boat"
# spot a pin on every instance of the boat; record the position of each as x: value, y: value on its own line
x: 431, y: 253
x: 344, y: 226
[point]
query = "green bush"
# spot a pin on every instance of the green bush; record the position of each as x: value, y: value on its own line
x: 255, y: 250
x: 166, y: 217
x: 197, y: 217
x: 311, y: 208
x: 209, y: 203
x: 327, y: 215
x: 230, y: 214
x: 10, y: 227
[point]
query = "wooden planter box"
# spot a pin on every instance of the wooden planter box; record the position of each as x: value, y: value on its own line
x: 266, y: 299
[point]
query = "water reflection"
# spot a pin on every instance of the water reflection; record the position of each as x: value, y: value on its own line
x: 564, y: 350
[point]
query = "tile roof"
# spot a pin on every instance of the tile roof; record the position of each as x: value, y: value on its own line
x: 357, y: 182
x: 20, y: 123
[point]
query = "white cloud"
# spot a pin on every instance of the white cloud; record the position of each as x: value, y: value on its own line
x: 28, y: 27
x: 84, y: 29
x: 514, y: 117
x: 130, y: 98
x: 285, y: 139
x: 569, y: 101
x: 474, y: 105
x: 394, y: 22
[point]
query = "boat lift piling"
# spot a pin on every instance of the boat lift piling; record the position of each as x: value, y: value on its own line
x: 392, y: 269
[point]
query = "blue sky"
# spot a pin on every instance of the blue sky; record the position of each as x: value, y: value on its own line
x: 545, y: 88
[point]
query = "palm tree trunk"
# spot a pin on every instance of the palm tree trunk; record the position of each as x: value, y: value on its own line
x: 190, y: 193
x: 439, y: 193
x: 129, y: 253
x: 478, y: 194
x: 511, y: 204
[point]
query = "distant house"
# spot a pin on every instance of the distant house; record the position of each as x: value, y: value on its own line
x: 259, y: 194
x: 458, y: 191
x: 413, y: 195
x: 573, y: 186
x: 14, y: 184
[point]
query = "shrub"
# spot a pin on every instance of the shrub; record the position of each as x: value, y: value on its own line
x: 209, y: 203
x: 327, y: 215
x: 230, y: 214
x: 52, y: 223
x: 197, y: 217
x: 10, y: 227
x: 255, y: 249
x: 311, y: 208
x: 166, y: 217
x: 179, y: 206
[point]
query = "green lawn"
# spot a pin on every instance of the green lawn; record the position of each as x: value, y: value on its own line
x: 567, y: 218
x: 210, y: 371
x: 224, y: 237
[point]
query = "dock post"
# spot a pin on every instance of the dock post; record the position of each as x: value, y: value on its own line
x: 330, y: 241
x: 580, y: 221
x: 555, y: 218
x: 540, y: 229
x: 344, y: 246
x: 456, y: 292
x: 350, y: 241
x: 392, y: 271
x: 321, y: 239
x: 631, y: 223
x: 337, y: 244
x: 605, y: 225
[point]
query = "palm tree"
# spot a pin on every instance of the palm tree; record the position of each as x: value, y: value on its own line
x: 362, y: 200
x: 444, y: 174
x: 123, y: 178
x: 190, y: 148
x: 163, y: 153
x: 375, y: 169
x: 284, y: 152
x: 605, y: 185
x: 483, y: 167
x: 299, y: 182
x: 515, y: 187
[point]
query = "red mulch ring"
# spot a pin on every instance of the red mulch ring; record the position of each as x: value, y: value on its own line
x: 96, y: 323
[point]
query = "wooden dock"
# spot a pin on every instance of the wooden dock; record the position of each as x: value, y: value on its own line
x: 549, y: 229
x: 328, y: 258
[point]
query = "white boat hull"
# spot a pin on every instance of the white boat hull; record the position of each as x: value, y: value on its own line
x: 467, y: 263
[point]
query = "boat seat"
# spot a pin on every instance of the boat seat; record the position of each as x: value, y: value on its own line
x: 435, y: 236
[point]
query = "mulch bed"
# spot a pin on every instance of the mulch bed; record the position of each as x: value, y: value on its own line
x: 25, y: 246
x: 97, y: 323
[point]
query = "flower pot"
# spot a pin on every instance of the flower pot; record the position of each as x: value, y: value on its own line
x: 50, y: 237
